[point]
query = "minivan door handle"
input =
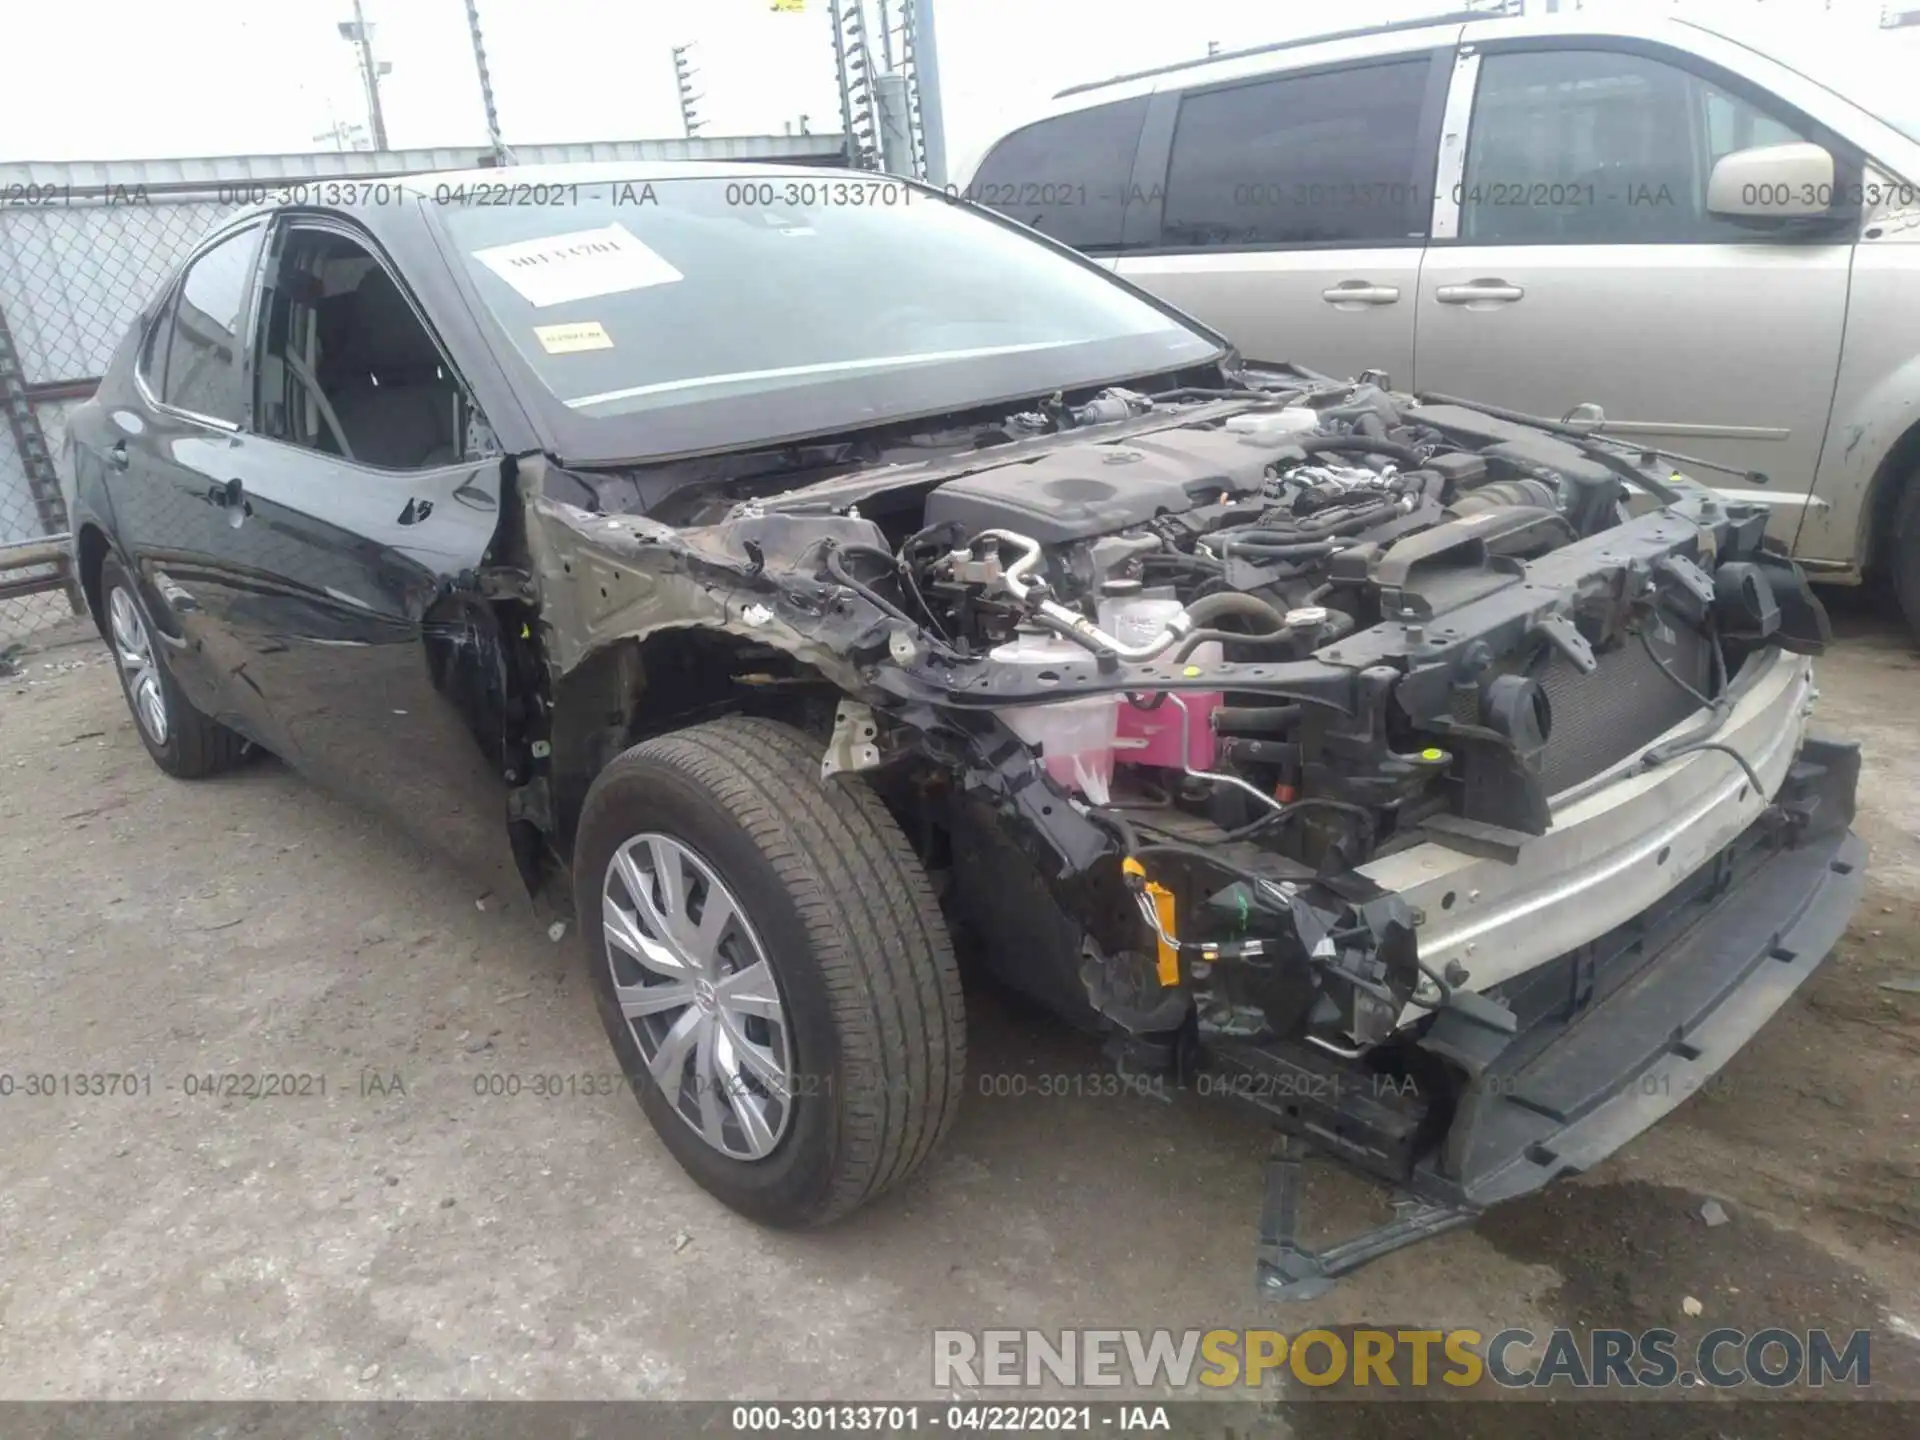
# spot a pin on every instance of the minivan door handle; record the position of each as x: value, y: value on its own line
x: 1475, y: 291
x: 1360, y: 292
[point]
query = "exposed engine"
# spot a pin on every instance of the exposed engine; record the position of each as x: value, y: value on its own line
x: 1198, y: 559
x: 1270, y: 537
x: 1288, y: 508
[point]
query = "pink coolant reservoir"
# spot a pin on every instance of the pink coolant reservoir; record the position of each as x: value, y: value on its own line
x: 1151, y: 736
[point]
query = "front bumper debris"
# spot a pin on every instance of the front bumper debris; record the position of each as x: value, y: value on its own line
x: 1612, y: 1035
x: 1600, y: 864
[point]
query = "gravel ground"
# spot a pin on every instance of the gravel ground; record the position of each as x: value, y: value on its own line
x: 407, y: 1235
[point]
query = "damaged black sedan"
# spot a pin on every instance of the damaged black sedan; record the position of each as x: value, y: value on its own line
x: 796, y: 570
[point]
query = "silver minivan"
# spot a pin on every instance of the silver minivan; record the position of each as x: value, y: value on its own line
x: 1712, y: 236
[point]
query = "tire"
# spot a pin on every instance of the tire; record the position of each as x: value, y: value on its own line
x: 836, y: 903
x: 182, y: 741
x: 1903, y: 553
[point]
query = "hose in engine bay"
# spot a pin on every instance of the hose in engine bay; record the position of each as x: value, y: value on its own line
x: 1361, y: 445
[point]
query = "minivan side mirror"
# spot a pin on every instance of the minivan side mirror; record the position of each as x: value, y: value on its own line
x: 1772, y: 182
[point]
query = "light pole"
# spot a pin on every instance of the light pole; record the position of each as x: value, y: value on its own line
x: 690, y: 120
x: 926, y: 62
x: 360, y: 33
x: 500, y: 154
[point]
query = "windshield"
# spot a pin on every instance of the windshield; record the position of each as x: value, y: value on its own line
x: 830, y: 303
x: 1874, y: 71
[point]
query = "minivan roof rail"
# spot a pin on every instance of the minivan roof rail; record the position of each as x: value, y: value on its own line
x: 1419, y: 22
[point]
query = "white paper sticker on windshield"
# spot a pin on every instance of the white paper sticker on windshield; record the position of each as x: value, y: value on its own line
x: 577, y: 266
x: 579, y: 335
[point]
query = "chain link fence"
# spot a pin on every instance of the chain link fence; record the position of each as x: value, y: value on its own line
x: 76, y: 265
x: 83, y: 247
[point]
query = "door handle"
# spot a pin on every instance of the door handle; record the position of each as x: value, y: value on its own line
x: 1495, y: 290
x: 117, y: 455
x: 1360, y: 292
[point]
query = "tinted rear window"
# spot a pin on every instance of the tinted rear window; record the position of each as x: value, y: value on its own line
x: 1329, y: 158
x: 203, y: 353
x: 1068, y: 177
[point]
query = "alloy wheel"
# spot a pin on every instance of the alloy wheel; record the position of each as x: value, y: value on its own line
x: 133, y: 649
x: 697, y: 991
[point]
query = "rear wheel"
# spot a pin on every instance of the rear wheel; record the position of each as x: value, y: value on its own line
x: 182, y: 741
x: 771, y: 967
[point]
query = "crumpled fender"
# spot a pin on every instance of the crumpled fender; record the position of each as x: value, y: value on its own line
x: 606, y: 579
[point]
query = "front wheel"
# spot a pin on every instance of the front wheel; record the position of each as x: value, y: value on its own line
x: 772, y: 969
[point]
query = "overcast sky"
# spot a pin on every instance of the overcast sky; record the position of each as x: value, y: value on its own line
x: 119, y: 79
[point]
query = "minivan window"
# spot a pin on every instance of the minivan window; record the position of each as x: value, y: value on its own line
x: 1733, y: 126
x: 1068, y: 177
x: 1875, y: 76
x: 1317, y: 159
x: 1601, y: 147
x: 204, y: 350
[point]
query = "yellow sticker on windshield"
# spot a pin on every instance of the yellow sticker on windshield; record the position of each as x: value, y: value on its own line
x: 580, y: 335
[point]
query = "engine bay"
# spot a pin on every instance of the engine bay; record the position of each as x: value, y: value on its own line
x: 1193, y: 705
x: 1254, y: 647
x: 1289, y: 507
x: 1156, y: 677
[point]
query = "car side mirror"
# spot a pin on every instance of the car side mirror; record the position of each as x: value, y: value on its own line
x: 1772, y: 182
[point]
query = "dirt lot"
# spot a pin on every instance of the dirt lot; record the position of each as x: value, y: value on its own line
x: 406, y: 1234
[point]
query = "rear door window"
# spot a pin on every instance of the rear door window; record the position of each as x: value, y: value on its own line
x: 152, y: 364
x: 1068, y: 177
x: 205, y: 347
x: 1330, y: 158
